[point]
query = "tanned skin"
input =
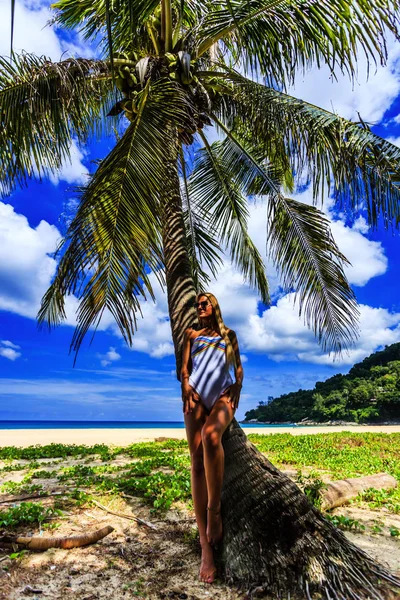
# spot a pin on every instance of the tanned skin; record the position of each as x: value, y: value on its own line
x: 204, y: 431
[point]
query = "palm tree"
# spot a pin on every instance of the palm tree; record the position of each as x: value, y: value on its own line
x: 170, y: 68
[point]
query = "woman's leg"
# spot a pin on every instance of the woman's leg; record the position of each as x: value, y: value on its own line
x: 216, y: 423
x: 194, y: 422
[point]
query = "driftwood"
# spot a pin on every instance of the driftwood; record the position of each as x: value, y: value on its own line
x: 39, y: 543
x: 339, y: 492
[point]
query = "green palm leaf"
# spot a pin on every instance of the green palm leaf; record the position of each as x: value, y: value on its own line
x: 115, y: 239
x: 90, y: 17
x: 128, y: 21
x: 308, y: 140
x: 43, y: 105
x: 202, y: 244
x: 301, y: 246
x: 216, y: 196
x: 277, y: 37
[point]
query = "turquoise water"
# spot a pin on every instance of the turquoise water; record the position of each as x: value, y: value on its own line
x: 111, y: 425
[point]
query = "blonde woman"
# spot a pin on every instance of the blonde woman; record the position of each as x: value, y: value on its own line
x: 210, y: 398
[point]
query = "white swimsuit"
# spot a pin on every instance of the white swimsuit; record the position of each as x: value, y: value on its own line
x: 210, y: 376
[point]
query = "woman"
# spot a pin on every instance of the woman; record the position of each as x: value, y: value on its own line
x: 210, y: 398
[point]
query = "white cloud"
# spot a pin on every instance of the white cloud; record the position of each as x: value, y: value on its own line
x: 370, y: 98
x: 280, y: 334
x: 110, y: 356
x: 73, y: 170
x: 32, y: 34
x: 367, y: 257
x: 243, y: 358
x: 9, y: 350
x: 394, y: 140
x: 9, y: 344
x: 26, y: 268
x: 154, y: 331
x: 163, y: 349
x: 85, y: 391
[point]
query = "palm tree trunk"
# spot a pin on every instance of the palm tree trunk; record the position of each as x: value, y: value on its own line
x: 275, y: 542
x: 181, y: 292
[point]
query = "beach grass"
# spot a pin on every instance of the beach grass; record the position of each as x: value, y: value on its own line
x: 159, y: 472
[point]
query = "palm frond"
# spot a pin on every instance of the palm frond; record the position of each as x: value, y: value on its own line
x: 115, y: 239
x: 44, y: 105
x: 324, y: 147
x: 301, y: 246
x: 129, y: 21
x: 90, y: 18
x: 202, y: 244
x: 217, y: 197
x: 276, y: 38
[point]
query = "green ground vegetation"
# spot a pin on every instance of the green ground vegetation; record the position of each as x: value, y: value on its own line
x: 158, y: 473
x: 370, y: 392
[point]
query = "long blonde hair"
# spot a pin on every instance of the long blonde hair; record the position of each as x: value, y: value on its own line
x: 220, y: 326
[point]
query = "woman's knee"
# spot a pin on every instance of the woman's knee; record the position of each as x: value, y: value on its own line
x: 197, y: 460
x: 211, y: 437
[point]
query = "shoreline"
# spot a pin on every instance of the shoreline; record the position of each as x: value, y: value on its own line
x: 124, y: 437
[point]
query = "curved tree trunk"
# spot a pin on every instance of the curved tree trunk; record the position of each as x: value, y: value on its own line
x: 275, y: 542
x: 180, y: 288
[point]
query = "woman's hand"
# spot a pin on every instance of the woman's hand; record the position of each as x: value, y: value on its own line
x: 234, y: 393
x: 188, y: 399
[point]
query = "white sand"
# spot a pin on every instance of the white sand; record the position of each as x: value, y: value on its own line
x: 124, y: 437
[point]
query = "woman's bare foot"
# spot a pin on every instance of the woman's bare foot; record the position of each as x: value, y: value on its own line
x: 214, y: 525
x: 207, y: 567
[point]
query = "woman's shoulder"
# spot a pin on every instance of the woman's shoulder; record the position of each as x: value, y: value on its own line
x: 191, y: 333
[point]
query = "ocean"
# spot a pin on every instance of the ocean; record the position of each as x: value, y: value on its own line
x: 111, y: 425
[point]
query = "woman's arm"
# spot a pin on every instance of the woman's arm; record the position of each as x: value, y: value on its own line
x: 187, y: 391
x: 237, y: 386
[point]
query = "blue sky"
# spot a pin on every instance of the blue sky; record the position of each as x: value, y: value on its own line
x: 114, y: 382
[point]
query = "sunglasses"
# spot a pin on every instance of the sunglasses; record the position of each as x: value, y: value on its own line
x: 202, y: 305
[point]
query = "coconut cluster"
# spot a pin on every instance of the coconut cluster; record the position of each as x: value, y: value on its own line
x: 132, y: 75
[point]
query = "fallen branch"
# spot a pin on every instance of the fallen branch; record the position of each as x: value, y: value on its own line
x: 339, y: 492
x: 63, y: 492
x: 124, y: 515
x: 11, y: 499
x: 39, y: 543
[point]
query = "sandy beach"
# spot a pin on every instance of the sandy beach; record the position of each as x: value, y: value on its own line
x: 124, y: 437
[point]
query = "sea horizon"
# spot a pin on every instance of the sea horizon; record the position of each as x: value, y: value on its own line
x: 104, y: 424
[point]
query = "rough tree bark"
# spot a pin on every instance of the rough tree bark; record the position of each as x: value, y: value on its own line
x: 275, y: 542
x: 278, y: 544
x: 181, y: 292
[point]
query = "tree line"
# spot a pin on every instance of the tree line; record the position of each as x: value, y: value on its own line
x: 370, y: 392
